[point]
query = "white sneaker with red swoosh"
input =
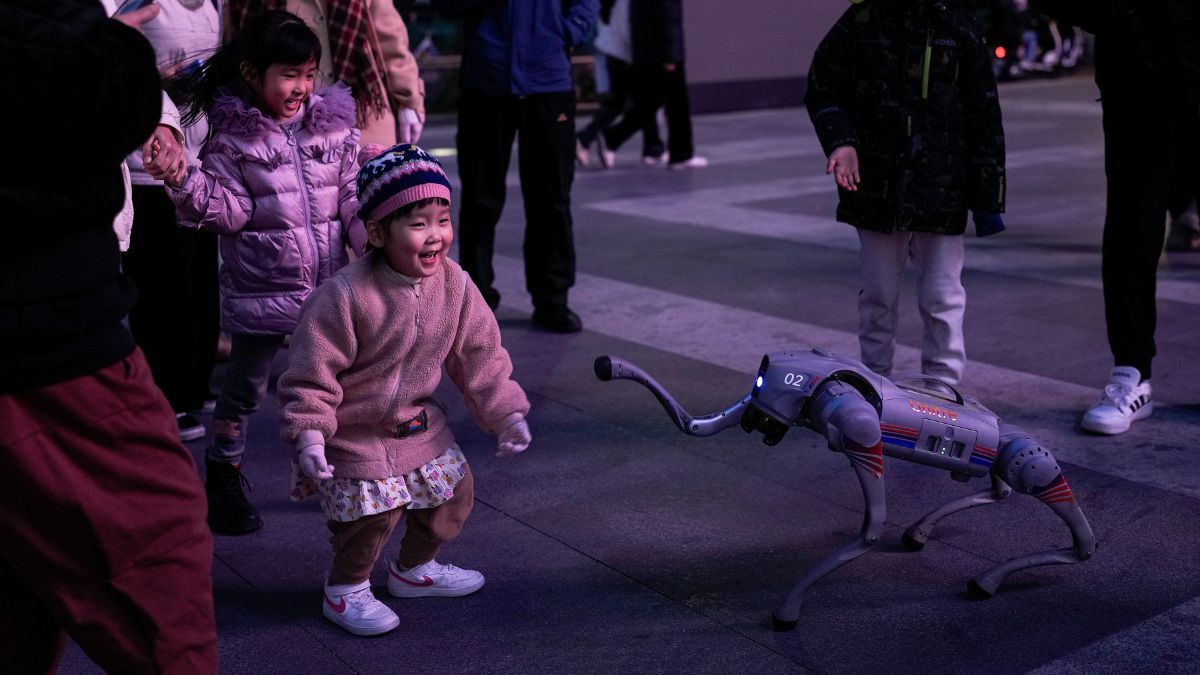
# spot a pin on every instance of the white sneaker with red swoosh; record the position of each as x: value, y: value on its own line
x: 355, y: 608
x: 432, y: 579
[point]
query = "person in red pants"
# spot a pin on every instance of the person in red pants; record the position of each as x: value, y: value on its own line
x: 103, y: 536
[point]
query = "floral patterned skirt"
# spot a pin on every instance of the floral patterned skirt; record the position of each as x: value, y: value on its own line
x: 348, y: 499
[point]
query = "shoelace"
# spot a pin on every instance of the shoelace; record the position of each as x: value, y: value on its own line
x: 1120, y: 394
x: 231, y: 487
x: 434, y: 567
x: 362, y: 599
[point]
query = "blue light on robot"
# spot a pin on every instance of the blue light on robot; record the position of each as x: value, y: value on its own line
x: 758, y: 383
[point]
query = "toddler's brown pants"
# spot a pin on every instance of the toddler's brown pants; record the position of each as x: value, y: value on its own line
x: 357, y: 544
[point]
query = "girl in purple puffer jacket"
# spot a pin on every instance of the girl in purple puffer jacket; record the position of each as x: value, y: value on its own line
x: 276, y: 182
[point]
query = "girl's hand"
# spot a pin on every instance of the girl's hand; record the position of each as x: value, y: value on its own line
x: 514, y: 439
x: 312, y: 462
x: 843, y: 164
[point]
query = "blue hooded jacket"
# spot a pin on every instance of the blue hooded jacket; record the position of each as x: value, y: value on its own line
x: 520, y: 46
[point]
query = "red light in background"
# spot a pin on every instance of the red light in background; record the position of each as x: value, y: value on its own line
x: 1000, y: 52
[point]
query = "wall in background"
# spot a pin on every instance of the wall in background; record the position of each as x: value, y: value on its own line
x: 753, y: 53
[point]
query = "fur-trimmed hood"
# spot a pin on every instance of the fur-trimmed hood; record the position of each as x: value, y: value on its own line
x: 332, y: 109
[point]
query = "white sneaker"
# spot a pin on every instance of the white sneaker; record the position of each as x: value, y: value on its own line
x: 581, y: 154
x: 696, y: 162
x: 608, y: 158
x: 432, y: 579
x: 354, y: 607
x: 1126, y: 400
x: 655, y: 160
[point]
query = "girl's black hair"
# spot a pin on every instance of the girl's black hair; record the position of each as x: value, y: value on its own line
x: 272, y: 37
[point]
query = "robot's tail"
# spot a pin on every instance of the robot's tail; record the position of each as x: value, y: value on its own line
x: 612, y: 368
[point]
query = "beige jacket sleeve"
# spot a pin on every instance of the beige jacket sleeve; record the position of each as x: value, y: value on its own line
x: 404, y: 84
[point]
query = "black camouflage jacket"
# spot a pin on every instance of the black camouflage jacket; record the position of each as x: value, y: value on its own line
x: 909, y: 84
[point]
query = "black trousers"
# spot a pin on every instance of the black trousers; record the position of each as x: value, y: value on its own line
x: 544, y: 126
x: 176, y: 318
x: 1141, y: 175
x: 619, y: 101
x: 654, y: 88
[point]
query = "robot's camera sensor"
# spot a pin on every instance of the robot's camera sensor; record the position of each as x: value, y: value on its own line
x: 756, y: 420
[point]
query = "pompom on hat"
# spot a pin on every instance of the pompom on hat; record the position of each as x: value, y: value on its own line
x: 397, y: 176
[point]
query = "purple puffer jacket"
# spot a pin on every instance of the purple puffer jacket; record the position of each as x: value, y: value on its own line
x: 283, y: 200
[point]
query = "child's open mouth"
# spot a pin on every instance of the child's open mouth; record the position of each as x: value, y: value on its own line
x: 429, y: 256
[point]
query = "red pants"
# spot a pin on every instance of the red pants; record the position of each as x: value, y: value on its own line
x: 102, y: 530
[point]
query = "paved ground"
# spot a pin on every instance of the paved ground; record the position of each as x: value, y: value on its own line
x: 616, y: 544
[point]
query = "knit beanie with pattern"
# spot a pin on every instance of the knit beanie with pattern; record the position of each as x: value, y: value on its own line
x: 398, y: 176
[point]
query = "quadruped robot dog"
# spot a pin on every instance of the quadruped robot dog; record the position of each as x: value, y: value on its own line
x: 865, y: 416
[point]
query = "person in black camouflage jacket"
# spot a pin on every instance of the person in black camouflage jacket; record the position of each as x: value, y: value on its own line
x: 904, y: 102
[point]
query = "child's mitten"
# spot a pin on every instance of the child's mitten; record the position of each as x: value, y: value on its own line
x: 310, y: 455
x: 515, y: 438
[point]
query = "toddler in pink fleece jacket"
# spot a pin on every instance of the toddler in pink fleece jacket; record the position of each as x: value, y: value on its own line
x: 357, y: 402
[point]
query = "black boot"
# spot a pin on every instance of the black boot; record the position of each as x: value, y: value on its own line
x: 229, y: 512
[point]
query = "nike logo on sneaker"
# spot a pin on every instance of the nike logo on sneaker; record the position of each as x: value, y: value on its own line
x: 425, y: 581
x: 339, y: 607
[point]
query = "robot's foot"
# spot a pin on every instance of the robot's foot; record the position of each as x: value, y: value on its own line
x: 911, y: 543
x: 786, y: 622
x: 978, y: 592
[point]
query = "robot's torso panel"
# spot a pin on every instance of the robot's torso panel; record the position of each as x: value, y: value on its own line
x: 922, y: 419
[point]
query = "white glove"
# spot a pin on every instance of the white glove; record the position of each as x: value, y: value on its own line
x: 408, y: 127
x: 312, y: 462
x: 514, y: 439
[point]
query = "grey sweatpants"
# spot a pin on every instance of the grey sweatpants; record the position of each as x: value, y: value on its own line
x: 941, y: 298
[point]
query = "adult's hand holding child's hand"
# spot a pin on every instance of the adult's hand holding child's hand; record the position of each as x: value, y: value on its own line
x: 514, y: 439
x: 312, y: 462
x: 843, y: 164
x: 163, y: 156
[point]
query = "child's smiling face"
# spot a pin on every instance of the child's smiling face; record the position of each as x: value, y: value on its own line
x: 415, y: 244
x: 282, y: 88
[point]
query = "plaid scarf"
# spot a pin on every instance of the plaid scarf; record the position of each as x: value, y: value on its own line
x: 353, y: 59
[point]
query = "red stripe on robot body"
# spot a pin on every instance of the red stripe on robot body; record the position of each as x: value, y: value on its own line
x: 1056, y: 493
x: 870, y: 458
x: 894, y: 430
x: 985, y: 452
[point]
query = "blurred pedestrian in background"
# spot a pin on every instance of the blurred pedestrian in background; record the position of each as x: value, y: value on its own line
x: 659, y: 81
x: 614, y: 54
x: 516, y: 82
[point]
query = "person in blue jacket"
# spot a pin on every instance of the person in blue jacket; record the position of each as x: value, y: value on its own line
x: 516, y: 81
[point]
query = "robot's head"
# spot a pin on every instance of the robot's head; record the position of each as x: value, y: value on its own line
x: 780, y: 391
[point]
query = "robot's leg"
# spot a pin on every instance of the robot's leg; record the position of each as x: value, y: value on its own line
x: 914, y: 537
x: 1031, y: 469
x: 851, y: 426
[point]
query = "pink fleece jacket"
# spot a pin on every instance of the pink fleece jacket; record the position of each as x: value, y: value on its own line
x: 367, y: 356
